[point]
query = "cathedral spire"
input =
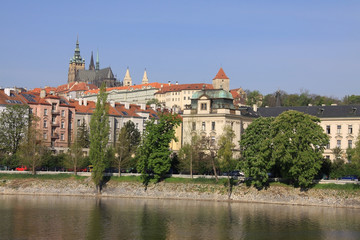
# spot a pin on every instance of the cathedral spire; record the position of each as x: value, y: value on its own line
x: 127, y: 78
x: 92, y: 65
x: 145, y: 79
x: 77, y: 58
x: 97, y: 61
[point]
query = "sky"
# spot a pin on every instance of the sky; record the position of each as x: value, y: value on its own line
x: 294, y: 46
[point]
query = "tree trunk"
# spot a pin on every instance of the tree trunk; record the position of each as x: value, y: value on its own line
x: 229, y: 186
x: 214, y: 169
x: 191, y: 166
x: 75, y: 169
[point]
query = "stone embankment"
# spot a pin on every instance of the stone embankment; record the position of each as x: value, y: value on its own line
x: 190, y: 191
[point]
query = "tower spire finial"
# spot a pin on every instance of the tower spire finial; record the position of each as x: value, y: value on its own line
x: 97, y: 61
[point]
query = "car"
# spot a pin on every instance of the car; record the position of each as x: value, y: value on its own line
x: 21, y: 168
x: 349, y: 177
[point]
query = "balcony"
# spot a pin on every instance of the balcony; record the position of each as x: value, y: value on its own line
x: 54, y: 136
x: 55, y: 112
x: 55, y: 124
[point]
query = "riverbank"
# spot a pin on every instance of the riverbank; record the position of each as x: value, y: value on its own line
x: 276, y: 193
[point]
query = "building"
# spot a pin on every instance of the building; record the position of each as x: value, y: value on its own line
x: 177, y: 96
x: 56, y: 119
x: 94, y: 75
x: 341, y: 123
x: 74, y: 90
x: 210, y: 111
x: 221, y: 81
x: 9, y: 96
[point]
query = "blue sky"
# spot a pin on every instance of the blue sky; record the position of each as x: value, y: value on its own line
x: 261, y: 45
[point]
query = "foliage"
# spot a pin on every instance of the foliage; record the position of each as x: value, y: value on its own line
x: 13, y: 126
x: 153, y: 101
x: 355, y: 154
x: 153, y: 154
x: 351, y: 99
x: 256, y: 151
x: 338, y: 153
x: 82, y: 137
x: 75, y: 157
x: 210, y: 151
x: 225, y: 152
x: 253, y: 97
x: 298, y: 144
x: 126, y: 144
x: 99, y: 137
x: 32, y: 148
x: 190, y: 155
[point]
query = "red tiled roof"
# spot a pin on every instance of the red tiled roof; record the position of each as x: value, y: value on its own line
x: 47, y: 90
x: 221, y: 74
x: 13, y: 99
x: 134, y: 87
x: 181, y: 87
x: 75, y: 86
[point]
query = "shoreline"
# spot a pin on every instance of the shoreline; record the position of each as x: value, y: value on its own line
x: 280, y: 195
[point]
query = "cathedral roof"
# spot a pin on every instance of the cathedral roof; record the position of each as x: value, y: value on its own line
x: 221, y: 74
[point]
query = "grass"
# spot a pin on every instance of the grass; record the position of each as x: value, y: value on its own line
x: 195, y: 180
x: 126, y: 178
x: 333, y: 186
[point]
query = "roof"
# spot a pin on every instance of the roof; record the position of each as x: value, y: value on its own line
x: 221, y: 74
x: 75, y: 86
x: 318, y: 111
x: 212, y: 94
x: 127, y: 88
x: 181, y: 87
x: 34, y: 98
x: 93, y: 75
x: 13, y: 99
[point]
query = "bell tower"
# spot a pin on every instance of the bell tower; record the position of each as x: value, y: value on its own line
x: 221, y: 81
x: 76, y: 63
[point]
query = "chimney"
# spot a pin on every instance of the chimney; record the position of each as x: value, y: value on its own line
x: 169, y: 83
x: 80, y: 101
x: 142, y: 106
x: 7, y: 91
x: 153, y: 106
x: 112, y: 103
x: 85, y: 102
x: 255, y: 108
x: 177, y: 83
x: 127, y: 105
x: 42, y: 93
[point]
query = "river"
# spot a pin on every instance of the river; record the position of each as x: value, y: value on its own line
x: 44, y: 217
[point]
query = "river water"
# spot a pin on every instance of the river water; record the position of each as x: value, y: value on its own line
x: 45, y: 217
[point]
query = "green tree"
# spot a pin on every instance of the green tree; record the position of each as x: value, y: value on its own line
x: 256, y: 150
x: 82, y: 137
x: 13, y: 126
x: 99, y: 137
x: 189, y: 154
x: 126, y: 144
x: 355, y: 157
x: 298, y: 144
x: 75, y: 157
x: 210, y: 150
x: 253, y: 97
x: 32, y: 148
x: 225, y: 154
x: 153, y: 101
x: 154, y: 154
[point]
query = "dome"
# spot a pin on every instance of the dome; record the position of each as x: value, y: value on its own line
x: 212, y: 94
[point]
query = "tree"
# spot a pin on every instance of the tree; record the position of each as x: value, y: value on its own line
x: 189, y: 154
x: 253, y: 97
x: 99, y: 137
x: 256, y: 151
x: 126, y: 144
x: 75, y: 157
x: 154, y: 154
x: 209, y: 148
x: 153, y: 101
x: 225, y: 154
x: 32, y: 148
x: 13, y: 126
x: 298, y: 144
x: 82, y: 136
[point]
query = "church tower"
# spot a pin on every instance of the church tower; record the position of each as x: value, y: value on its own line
x: 76, y: 63
x: 145, y: 79
x: 221, y: 81
x: 92, y: 65
x: 127, y: 78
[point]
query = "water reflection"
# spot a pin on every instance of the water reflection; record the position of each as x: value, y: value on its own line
x: 36, y: 217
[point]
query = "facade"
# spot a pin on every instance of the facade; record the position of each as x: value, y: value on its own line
x: 210, y: 111
x: 56, y: 119
x: 94, y: 75
x: 341, y: 123
x: 177, y: 96
x: 139, y: 94
x: 239, y: 96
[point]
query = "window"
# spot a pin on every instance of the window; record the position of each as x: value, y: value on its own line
x: 30, y: 110
x: 328, y: 146
x: 203, y: 106
x: 213, y: 126
x: 184, y: 98
x: 44, y: 135
x: 350, y: 129
x: 53, y: 107
x: 328, y: 129
x: 53, y: 119
x: 62, y: 138
x: 203, y: 126
x: 193, y: 126
x: 338, y: 129
x: 327, y: 157
x: 137, y: 125
x: 63, y: 113
x: 188, y: 98
x: 78, y: 123
x: 349, y: 143
x: 338, y: 143
x: 62, y: 124
x: 45, y: 124
x: 45, y: 112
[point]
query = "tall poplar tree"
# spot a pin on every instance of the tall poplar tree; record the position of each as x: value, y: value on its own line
x: 99, y: 137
